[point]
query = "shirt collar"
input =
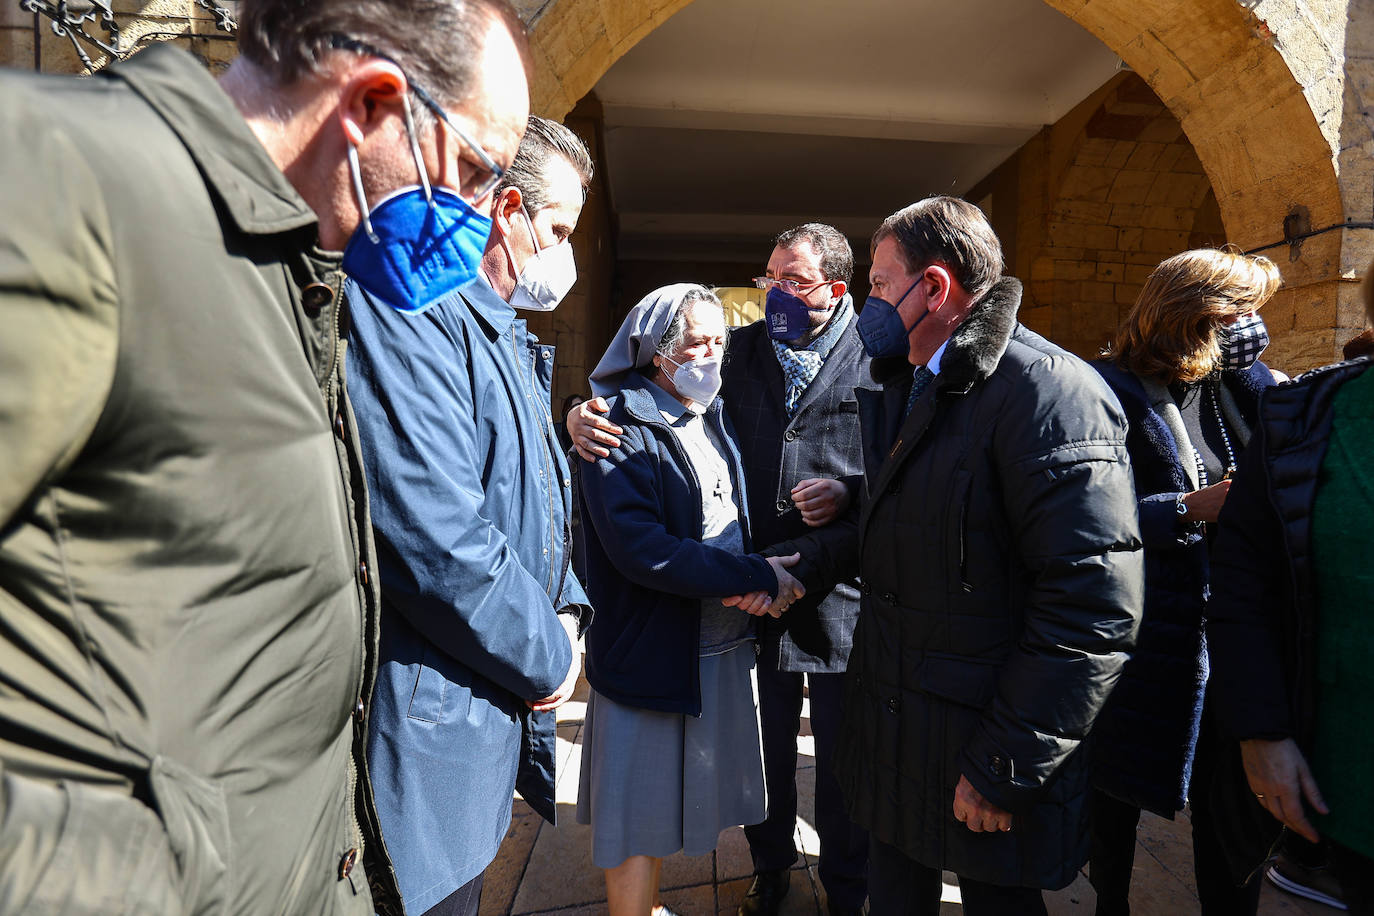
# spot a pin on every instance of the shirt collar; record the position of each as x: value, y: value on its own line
x: 236, y: 166
x: 673, y: 410
x: 934, y: 363
x: 491, y: 310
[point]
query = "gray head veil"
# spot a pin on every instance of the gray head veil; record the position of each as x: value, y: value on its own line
x: 637, y: 340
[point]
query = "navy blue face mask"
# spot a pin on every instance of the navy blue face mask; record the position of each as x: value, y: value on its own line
x: 882, y: 330
x: 419, y: 244
x: 788, y: 316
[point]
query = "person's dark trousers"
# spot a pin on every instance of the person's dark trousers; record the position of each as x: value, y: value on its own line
x: 899, y: 886
x: 1217, y: 892
x: 1356, y: 876
x: 772, y: 844
x: 1114, y: 824
x: 462, y: 902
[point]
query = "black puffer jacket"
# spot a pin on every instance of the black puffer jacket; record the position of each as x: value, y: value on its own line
x: 1003, y: 584
x: 1261, y: 627
x: 1262, y: 616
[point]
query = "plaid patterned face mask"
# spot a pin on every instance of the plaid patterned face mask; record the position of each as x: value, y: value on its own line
x: 1243, y: 341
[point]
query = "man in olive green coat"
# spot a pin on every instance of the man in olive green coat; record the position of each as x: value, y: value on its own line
x: 187, y: 607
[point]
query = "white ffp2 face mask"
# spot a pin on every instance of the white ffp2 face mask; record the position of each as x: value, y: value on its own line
x: 698, y: 380
x: 546, y: 277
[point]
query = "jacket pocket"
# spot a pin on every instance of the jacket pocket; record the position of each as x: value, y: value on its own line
x: 79, y: 850
x: 427, y: 699
x: 962, y: 494
x: 196, y: 818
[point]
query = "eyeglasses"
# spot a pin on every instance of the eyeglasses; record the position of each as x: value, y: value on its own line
x: 488, y: 174
x: 791, y: 287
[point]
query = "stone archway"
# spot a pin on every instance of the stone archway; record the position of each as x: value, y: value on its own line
x: 1131, y: 194
x: 1214, y: 65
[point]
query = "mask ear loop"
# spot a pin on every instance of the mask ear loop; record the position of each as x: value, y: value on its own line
x: 415, y: 149
x: 534, y: 239
x: 358, y: 190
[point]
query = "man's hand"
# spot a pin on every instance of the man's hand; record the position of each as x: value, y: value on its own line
x: 1279, y: 777
x: 789, y: 590
x: 755, y: 603
x: 977, y: 813
x: 1204, y: 505
x: 821, y: 500
x: 565, y: 690
x: 590, y: 430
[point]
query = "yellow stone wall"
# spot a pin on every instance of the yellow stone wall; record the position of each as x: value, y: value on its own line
x: 1269, y: 94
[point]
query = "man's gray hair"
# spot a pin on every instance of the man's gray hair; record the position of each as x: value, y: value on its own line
x: 545, y: 142
x: 837, y: 258
x: 438, y: 43
x: 951, y: 231
x: 676, y: 332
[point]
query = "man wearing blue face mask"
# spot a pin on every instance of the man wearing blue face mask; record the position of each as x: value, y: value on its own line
x: 470, y: 503
x: 788, y: 385
x: 188, y: 579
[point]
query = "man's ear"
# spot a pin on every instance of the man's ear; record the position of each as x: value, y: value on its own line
x: 837, y: 290
x: 504, y: 208
x: 941, y: 283
x: 371, y: 92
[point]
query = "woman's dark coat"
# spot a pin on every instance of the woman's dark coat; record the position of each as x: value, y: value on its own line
x: 1143, y: 742
x: 1262, y: 619
x: 647, y: 570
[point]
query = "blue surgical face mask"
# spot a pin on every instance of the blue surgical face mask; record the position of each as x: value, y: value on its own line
x: 419, y: 244
x: 788, y: 317
x: 882, y: 330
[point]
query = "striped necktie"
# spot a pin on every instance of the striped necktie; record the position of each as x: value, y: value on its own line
x: 920, y: 381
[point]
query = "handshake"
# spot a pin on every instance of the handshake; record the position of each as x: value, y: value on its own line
x: 789, y: 590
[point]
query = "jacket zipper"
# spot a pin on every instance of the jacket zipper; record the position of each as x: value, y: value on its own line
x: 545, y: 461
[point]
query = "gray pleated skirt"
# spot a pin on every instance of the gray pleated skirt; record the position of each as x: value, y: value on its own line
x: 653, y: 783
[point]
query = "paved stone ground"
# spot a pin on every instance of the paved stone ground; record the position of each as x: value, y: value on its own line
x: 546, y: 870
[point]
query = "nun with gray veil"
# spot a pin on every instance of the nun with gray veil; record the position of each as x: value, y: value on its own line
x: 670, y: 751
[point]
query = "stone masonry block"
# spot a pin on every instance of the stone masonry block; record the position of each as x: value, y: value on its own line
x: 1107, y: 272
x: 1145, y: 156
x: 1084, y: 211
x: 1131, y: 186
x: 1177, y: 218
x: 1074, y: 270
x: 1094, y: 151
x: 1174, y: 189
x: 1092, y: 291
x: 1121, y: 154
x: 1087, y: 182
x: 1127, y: 214
x: 1165, y: 240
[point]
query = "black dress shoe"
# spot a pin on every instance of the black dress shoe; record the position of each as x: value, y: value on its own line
x: 766, y: 893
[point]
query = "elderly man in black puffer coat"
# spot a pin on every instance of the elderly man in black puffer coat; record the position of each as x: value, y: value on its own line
x: 1003, y: 578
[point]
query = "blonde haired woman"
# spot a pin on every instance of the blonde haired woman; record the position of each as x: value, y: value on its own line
x: 1185, y: 365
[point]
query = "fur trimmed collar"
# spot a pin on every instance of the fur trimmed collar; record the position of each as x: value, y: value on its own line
x: 977, y: 344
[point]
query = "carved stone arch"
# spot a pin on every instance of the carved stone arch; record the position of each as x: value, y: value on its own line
x: 1212, y: 63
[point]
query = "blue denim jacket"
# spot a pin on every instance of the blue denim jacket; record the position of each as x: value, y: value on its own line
x: 470, y: 500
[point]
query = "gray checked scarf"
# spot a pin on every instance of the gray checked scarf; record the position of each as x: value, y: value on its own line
x: 800, y: 366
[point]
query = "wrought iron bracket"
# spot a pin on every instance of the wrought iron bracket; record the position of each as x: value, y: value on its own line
x: 92, y: 24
